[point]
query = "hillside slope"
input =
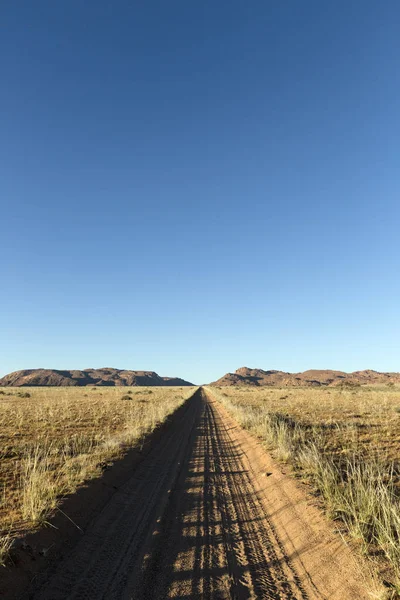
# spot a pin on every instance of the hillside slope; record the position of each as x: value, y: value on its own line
x: 104, y: 376
x: 258, y: 377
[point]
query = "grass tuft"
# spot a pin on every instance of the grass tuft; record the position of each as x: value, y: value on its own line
x: 330, y: 438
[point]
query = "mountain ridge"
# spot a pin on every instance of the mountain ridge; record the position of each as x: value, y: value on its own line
x: 105, y: 376
x: 311, y: 377
x: 109, y: 376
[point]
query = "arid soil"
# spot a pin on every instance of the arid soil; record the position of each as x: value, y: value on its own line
x: 206, y: 514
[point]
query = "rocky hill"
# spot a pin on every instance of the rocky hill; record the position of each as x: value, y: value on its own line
x: 105, y: 376
x: 258, y: 377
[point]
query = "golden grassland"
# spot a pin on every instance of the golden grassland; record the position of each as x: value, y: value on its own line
x: 345, y: 441
x: 54, y: 439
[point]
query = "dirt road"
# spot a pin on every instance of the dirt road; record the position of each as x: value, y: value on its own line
x: 194, y: 521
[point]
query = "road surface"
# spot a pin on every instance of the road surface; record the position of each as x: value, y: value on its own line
x: 190, y: 523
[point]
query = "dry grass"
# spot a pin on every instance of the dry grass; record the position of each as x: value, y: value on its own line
x: 346, y: 443
x: 54, y: 439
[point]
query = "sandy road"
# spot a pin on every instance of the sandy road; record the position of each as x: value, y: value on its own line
x: 191, y: 522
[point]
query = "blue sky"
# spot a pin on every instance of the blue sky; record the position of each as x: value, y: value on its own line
x: 193, y: 187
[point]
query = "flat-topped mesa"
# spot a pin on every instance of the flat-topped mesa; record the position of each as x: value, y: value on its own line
x: 312, y: 377
x: 106, y: 376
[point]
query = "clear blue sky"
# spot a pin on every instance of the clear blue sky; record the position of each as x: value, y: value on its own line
x: 191, y: 187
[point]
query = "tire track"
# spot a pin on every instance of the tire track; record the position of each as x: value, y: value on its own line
x: 214, y: 540
x: 270, y: 571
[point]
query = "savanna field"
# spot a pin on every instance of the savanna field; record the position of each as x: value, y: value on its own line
x: 345, y: 442
x: 342, y: 441
x: 54, y: 439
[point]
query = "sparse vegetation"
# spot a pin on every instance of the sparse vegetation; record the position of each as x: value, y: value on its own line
x: 53, y: 439
x: 346, y: 443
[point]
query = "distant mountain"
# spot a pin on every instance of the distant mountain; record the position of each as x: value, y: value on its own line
x: 105, y: 376
x: 258, y: 377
